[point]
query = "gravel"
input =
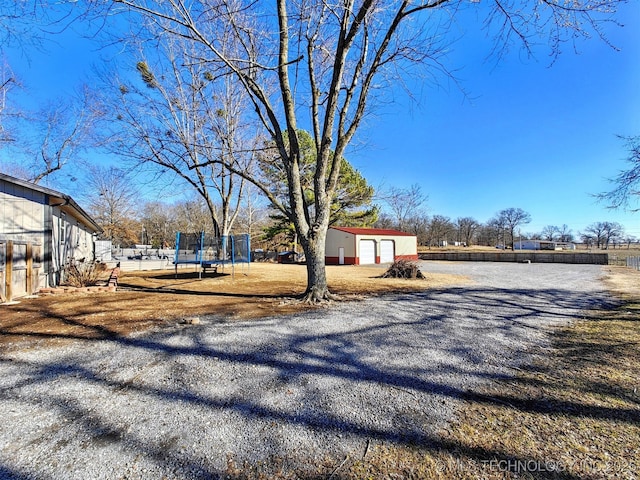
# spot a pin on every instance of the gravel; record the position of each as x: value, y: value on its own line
x: 188, y: 401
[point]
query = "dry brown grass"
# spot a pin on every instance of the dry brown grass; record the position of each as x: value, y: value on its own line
x: 154, y: 298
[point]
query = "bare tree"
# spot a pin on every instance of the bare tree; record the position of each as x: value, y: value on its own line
x: 602, y: 233
x: 53, y: 137
x: 112, y: 202
x: 328, y: 61
x: 549, y: 232
x: 512, y: 218
x: 192, y: 216
x: 587, y: 238
x: 184, y: 118
x: 64, y: 133
x: 159, y: 222
x: 44, y: 141
x: 404, y: 204
x: 594, y: 234
x: 496, y: 231
x: 467, y: 228
x: 613, y: 233
x: 441, y: 230
x: 565, y: 233
x: 254, y: 213
x: 629, y: 239
x: 419, y: 226
x: 24, y: 22
x: 7, y: 82
x: 488, y: 234
x: 627, y: 183
x: 385, y: 221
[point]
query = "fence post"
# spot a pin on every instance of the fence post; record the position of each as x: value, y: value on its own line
x: 8, y: 270
x: 29, y: 259
x: 3, y: 263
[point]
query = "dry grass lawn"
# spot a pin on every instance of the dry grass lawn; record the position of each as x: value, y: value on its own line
x: 153, y: 298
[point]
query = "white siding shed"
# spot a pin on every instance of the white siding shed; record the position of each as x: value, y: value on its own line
x: 364, y: 246
x: 40, y: 230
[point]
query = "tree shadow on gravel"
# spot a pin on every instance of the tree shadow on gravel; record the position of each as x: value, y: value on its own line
x: 399, y: 359
x: 8, y: 473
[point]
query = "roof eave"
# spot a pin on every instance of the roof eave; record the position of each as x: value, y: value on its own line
x: 62, y: 198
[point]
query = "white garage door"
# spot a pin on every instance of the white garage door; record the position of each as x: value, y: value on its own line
x: 386, y: 251
x: 367, y: 252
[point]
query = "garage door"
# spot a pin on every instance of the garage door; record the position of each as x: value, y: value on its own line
x: 386, y: 251
x: 367, y: 252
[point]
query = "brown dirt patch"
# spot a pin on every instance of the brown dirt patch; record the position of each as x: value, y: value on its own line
x: 154, y: 298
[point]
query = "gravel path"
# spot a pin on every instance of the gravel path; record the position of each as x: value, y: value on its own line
x: 295, y: 390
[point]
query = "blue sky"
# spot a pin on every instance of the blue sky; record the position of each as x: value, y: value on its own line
x: 526, y: 134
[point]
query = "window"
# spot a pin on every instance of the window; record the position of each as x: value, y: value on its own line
x: 63, y: 227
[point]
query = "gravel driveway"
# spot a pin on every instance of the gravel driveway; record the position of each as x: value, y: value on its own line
x: 298, y: 390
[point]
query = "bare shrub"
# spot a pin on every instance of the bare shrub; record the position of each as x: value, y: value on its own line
x: 404, y: 269
x: 81, y: 273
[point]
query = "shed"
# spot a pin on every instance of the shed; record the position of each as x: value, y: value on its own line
x: 543, y: 245
x: 363, y: 246
x: 40, y: 231
x: 287, y: 257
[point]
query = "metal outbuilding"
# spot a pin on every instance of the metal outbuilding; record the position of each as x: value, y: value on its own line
x: 40, y: 231
x: 543, y: 245
x: 365, y: 246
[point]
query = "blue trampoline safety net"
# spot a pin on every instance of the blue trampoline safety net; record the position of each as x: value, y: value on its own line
x: 206, y: 250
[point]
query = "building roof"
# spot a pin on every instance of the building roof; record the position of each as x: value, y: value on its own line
x: 373, y: 231
x: 56, y: 198
x: 557, y: 242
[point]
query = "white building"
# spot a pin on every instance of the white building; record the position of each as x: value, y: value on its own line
x: 362, y: 246
x: 40, y: 231
x: 543, y: 245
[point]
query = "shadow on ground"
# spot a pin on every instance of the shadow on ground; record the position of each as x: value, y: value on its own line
x: 295, y: 394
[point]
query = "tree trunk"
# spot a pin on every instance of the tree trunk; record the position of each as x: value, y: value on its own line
x: 314, y: 250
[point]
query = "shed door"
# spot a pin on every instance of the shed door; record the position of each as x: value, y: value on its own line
x: 367, y: 252
x: 19, y: 271
x: 387, y: 251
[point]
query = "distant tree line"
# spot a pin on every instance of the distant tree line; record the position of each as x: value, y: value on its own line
x: 114, y: 200
x: 404, y: 211
x: 439, y: 230
x: 116, y: 206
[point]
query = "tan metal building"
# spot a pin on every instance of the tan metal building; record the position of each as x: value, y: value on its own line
x: 366, y: 246
x: 40, y: 230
